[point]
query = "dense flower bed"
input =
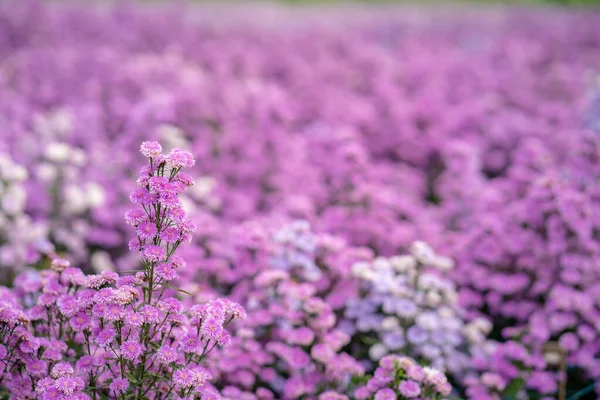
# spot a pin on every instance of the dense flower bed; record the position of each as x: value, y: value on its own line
x: 377, y: 192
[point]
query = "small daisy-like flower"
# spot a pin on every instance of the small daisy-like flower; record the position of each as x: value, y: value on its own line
x: 125, y: 294
x: 133, y: 319
x: 59, y: 264
x: 170, y: 305
x: 62, y: 369
x: 105, y: 337
x: 236, y: 310
x: 177, y: 262
x: 104, y: 296
x: 146, y: 230
x: 44, y: 385
x: 165, y: 271
x: 152, y: 315
x: 139, y: 196
x: 118, y: 386
x: 385, y: 394
x: 201, y: 376
x: 187, y: 226
x: 158, y: 184
x: 184, y: 179
x: 135, y: 216
x: 409, y: 389
x: 169, y: 201
x: 153, y: 253
x: 151, y: 149
x: 113, y: 312
x: 178, y: 158
x: 225, y: 339
x: 68, y: 385
x: 190, y: 344
x: 170, y: 235
x: 186, y: 238
x: 80, y: 322
x: 131, y: 350
x: 166, y: 354
x: 177, y: 214
x: 37, y: 367
x: 85, y: 363
x: 68, y: 306
x: 134, y: 245
x: 211, y: 329
x: 184, y: 378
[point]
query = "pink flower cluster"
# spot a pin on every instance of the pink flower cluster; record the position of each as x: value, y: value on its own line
x: 67, y: 335
x: 402, y: 378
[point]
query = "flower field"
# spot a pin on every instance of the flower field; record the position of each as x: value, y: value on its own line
x: 299, y: 203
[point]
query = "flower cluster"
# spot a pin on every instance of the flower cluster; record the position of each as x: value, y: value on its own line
x: 399, y: 377
x: 288, y: 347
x: 65, y: 334
x: 21, y: 238
x: 408, y: 307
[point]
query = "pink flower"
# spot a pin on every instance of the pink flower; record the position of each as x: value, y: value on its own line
x: 178, y: 158
x: 166, y: 354
x: 105, y: 336
x: 146, y: 230
x: 131, y: 349
x: 118, y: 386
x: 135, y: 216
x: 68, y: 385
x: 62, y: 369
x: 151, y: 149
x: 184, y: 378
x: 153, y: 253
x: 385, y: 394
x: 409, y: 389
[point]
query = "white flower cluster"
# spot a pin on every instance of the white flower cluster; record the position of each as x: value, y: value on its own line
x: 409, y: 307
x: 18, y: 232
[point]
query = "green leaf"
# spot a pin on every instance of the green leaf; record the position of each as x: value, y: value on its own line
x: 510, y: 393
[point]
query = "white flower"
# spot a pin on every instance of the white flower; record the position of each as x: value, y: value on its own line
x: 422, y: 252
x: 13, y: 200
x: 58, y: 152
x: 403, y: 263
x: 443, y: 263
x: 428, y: 321
x: 377, y: 351
x: 74, y: 200
x: 390, y: 324
x: 203, y: 187
x: 95, y: 195
x: 360, y: 269
x: 433, y: 299
x: 46, y: 172
x: 381, y: 264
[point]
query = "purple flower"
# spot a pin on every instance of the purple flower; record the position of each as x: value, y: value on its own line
x: 178, y: 158
x: 146, y: 230
x: 151, y: 149
x: 385, y: 394
x: 62, y: 369
x: 118, y: 386
x: 153, y: 253
x: 132, y: 349
x: 409, y: 389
